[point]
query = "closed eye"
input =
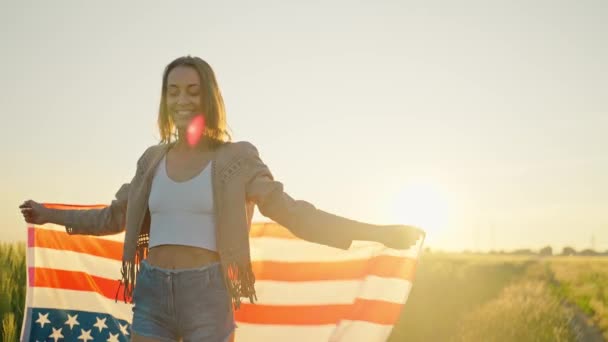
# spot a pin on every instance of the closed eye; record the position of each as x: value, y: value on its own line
x: 193, y: 89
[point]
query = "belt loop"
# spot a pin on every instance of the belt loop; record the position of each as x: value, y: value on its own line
x: 208, y: 277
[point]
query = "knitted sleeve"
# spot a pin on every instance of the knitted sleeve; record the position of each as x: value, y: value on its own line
x: 103, y: 221
x: 302, y: 218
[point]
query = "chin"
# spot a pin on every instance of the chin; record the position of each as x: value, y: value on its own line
x: 181, y: 123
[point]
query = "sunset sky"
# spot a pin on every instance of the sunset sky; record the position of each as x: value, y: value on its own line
x: 484, y: 122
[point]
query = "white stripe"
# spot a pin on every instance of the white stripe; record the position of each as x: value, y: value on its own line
x: 346, y: 331
x: 119, y: 237
x: 290, y: 250
x: 247, y: 332
x: 386, y: 289
x: 44, y: 297
x: 361, y: 331
x: 76, y: 262
x: 332, y: 292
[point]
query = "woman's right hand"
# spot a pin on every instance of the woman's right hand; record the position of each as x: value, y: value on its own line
x: 34, y: 212
x: 399, y: 236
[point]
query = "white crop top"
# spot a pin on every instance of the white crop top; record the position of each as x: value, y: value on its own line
x: 181, y: 213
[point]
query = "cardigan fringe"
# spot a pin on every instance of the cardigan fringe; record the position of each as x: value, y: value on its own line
x: 240, y: 281
x: 130, y: 269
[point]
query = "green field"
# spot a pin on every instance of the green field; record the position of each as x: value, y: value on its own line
x: 465, y: 297
x: 456, y: 297
x: 584, y: 281
x: 12, y: 290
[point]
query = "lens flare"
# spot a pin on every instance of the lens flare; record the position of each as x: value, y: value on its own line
x: 195, y: 131
x: 425, y: 205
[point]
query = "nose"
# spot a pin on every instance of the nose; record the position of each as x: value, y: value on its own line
x: 183, y: 98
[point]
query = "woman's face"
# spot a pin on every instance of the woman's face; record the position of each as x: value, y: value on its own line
x: 183, y: 95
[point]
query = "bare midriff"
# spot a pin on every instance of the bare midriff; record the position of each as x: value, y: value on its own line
x: 179, y: 256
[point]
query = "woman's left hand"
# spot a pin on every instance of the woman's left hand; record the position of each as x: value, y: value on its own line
x: 399, y: 236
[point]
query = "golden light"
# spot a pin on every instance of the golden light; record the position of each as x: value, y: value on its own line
x: 423, y: 204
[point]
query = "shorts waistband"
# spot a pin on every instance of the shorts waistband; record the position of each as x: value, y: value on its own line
x: 145, y: 264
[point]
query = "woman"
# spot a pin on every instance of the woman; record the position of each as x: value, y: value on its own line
x: 190, y: 207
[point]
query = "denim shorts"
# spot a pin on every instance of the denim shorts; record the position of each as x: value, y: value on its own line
x: 183, y: 304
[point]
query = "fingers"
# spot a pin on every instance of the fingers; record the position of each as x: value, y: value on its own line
x: 26, y: 204
x: 416, y: 232
x: 27, y: 211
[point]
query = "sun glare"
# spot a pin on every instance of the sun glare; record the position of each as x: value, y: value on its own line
x: 424, y: 205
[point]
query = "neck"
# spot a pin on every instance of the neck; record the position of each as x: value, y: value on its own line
x: 182, y: 145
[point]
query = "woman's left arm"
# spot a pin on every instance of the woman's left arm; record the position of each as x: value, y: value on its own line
x: 309, y: 223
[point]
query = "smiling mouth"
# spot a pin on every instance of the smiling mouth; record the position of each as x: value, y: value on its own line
x: 183, y: 113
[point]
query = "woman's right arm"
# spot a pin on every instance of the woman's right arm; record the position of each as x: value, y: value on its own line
x: 93, y: 221
x: 103, y: 221
x: 97, y: 221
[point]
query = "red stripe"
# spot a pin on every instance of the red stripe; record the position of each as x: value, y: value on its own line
x: 72, y: 280
x: 74, y: 206
x: 374, y: 311
x: 31, y: 235
x: 53, y: 239
x: 270, y: 229
x: 382, y: 266
x: 31, y: 275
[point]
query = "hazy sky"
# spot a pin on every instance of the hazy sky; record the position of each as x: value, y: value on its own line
x: 486, y: 121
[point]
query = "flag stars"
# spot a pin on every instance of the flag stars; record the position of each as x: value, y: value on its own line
x: 101, y: 323
x: 112, y: 338
x: 72, y: 321
x: 56, y: 334
x: 123, y: 329
x: 85, y: 335
x: 43, y: 319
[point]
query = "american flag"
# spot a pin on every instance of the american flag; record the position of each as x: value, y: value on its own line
x: 306, y: 291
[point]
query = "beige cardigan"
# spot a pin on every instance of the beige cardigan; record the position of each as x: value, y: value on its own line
x: 240, y: 180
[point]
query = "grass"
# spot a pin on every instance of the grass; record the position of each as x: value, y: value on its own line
x: 524, y: 311
x: 465, y: 297
x: 456, y: 297
x: 448, y: 287
x: 12, y: 289
x: 584, y: 281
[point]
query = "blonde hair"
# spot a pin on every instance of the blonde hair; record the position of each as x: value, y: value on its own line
x: 216, y: 128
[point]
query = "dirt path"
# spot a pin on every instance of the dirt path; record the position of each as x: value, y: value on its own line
x: 581, y: 324
x: 587, y: 331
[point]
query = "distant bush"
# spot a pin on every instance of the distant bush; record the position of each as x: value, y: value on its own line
x: 568, y: 251
x: 523, y: 252
x: 546, y: 251
x: 588, y: 252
